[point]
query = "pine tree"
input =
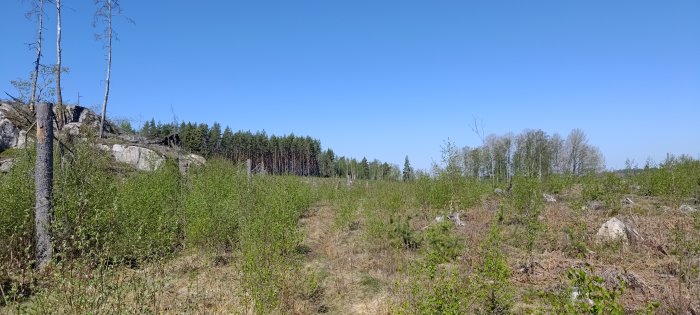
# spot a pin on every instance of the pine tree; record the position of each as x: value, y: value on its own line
x: 407, y: 170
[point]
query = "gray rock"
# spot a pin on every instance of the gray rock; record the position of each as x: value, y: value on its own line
x: 687, y: 209
x: 549, y: 198
x: 594, y: 205
x: 187, y: 161
x: 498, y: 191
x: 9, y: 132
x: 141, y: 158
x: 627, y: 201
x: 616, y: 230
x: 6, y: 165
x: 72, y: 129
x: 454, y: 217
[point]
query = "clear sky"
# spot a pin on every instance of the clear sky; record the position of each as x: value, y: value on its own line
x: 385, y: 79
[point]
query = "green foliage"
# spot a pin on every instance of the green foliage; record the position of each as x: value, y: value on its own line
x: 524, y: 208
x: 446, y: 294
x: 84, y: 193
x: 144, y: 220
x: 269, y: 236
x: 587, y: 295
x: 442, y: 244
x: 492, y: 287
x: 402, y: 234
x: 17, y: 217
x: 557, y: 183
x: 675, y: 179
x: 213, y: 205
x: 576, y: 239
x: 607, y: 188
x: 445, y: 191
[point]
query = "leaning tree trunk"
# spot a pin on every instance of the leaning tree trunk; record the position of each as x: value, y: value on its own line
x: 32, y: 100
x: 109, y: 66
x: 59, y: 97
x: 43, y: 177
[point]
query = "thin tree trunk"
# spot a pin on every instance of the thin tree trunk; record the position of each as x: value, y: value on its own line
x: 32, y: 100
x: 109, y: 65
x: 43, y: 177
x: 59, y: 98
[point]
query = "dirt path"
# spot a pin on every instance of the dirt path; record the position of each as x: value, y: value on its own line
x: 349, y: 284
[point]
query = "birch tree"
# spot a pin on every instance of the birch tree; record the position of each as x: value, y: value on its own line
x: 106, y: 9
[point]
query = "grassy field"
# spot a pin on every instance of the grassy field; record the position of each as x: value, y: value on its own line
x: 216, y: 242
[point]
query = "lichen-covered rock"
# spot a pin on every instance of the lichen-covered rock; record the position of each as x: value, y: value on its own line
x: 141, y: 158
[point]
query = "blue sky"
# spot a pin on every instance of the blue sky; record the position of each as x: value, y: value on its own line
x: 385, y: 79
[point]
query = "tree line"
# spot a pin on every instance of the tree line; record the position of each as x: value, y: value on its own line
x: 532, y: 153
x: 277, y: 155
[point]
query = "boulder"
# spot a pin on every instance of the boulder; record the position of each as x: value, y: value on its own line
x: 6, y: 165
x: 187, y: 161
x: 9, y: 132
x: 549, y: 198
x: 141, y: 158
x: 498, y: 191
x: 615, y: 230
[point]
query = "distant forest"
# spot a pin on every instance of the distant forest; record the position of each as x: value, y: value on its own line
x: 279, y: 155
x: 531, y: 153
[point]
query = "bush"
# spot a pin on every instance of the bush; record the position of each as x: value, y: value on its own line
x: 493, y: 288
x: 587, y: 295
x: 442, y: 245
x: 213, y: 205
x: 16, y: 226
x: 607, y: 188
x: 144, y: 220
x: 84, y: 190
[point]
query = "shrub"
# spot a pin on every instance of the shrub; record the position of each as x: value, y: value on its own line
x: 492, y: 286
x: 442, y: 244
x: 144, y: 220
x: 587, y: 295
x: 213, y: 204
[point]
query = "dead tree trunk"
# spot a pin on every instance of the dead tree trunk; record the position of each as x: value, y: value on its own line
x: 32, y: 100
x: 43, y: 177
x: 59, y: 97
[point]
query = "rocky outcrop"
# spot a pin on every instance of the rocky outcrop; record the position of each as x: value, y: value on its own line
x: 140, y: 153
x: 141, y: 158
